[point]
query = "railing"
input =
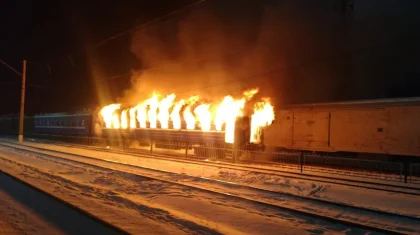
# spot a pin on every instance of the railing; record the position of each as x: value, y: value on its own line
x: 328, y: 164
x: 292, y: 160
x: 414, y: 176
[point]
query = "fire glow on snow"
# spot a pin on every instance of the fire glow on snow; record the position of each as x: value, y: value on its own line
x: 165, y: 111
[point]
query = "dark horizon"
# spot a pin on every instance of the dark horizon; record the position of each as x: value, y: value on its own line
x: 296, y: 51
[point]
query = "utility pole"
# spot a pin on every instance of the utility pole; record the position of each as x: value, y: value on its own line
x: 22, y: 103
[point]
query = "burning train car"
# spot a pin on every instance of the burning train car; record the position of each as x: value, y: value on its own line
x: 236, y: 121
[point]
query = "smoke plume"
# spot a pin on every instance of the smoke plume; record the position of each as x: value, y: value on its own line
x: 202, y: 54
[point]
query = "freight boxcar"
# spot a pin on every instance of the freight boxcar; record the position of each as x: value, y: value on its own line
x: 386, y: 127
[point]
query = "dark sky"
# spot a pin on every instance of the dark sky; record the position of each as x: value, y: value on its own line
x: 300, y: 51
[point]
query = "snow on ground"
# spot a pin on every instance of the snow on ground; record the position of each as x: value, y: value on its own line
x: 188, y: 210
x: 286, y: 169
x: 27, y: 211
x: 16, y: 218
x: 367, y: 198
x: 79, y: 195
x: 283, y: 200
x: 168, y: 203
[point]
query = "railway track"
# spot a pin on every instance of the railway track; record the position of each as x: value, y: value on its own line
x: 68, y: 218
x: 366, y: 184
x: 315, y: 208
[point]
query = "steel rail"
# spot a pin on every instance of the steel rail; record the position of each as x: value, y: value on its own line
x: 244, y: 198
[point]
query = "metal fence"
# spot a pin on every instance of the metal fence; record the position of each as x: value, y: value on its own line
x: 414, y: 173
x: 291, y: 160
x: 328, y: 164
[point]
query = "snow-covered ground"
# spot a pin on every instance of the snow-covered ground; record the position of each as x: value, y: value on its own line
x: 120, y: 195
x: 189, y: 211
x: 374, y: 199
x: 26, y: 211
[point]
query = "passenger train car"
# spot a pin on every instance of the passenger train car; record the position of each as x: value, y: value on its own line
x: 64, y: 124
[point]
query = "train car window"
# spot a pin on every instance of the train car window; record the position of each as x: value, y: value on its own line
x: 61, y: 123
x: 83, y: 122
x: 48, y: 123
x: 72, y: 123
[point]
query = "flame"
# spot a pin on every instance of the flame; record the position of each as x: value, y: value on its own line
x: 133, y: 118
x: 263, y: 116
x: 227, y: 113
x: 163, y: 115
x: 188, y: 115
x: 250, y: 93
x: 204, y: 116
x: 141, y: 115
x: 152, y: 113
x: 115, y: 121
x: 175, y: 115
x: 124, y: 121
x: 221, y: 111
x: 189, y: 118
x: 222, y: 115
x: 107, y: 114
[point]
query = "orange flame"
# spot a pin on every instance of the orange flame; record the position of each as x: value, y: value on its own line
x: 175, y: 115
x: 163, y: 115
x: 153, y: 106
x: 107, y: 114
x: 124, y: 121
x: 189, y: 118
x: 263, y: 116
x: 141, y: 115
x: 221, y: 115
x: 204, y: 116
x: 132, y: 118
x: 188, y: 115
x: 250, y: 93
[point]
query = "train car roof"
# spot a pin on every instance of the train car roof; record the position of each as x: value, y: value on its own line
x: 62, y: 114
x: 412, y: 101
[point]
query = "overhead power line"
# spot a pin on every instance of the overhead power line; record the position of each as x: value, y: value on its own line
x: 144, y: 25
x: 10, y: 67
x: 130, y: 30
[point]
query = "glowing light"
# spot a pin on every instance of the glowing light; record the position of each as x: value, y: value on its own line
x: 263, y: 116
x: 223, y: 115
x: 163, y: 115
x: 107, y: 114
x: 204, y: 116
x: 176, y: 116
x: 124, y: 121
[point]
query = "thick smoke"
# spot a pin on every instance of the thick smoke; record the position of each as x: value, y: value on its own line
x: 296, y: 52
x: 201, y: 54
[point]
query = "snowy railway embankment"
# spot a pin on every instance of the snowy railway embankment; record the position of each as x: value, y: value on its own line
x: 112, y: 183
x: 396, y: 197
x: 25, y: 209
x: 194, y: 211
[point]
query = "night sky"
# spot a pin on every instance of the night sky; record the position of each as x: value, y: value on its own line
x: 296, y: 51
